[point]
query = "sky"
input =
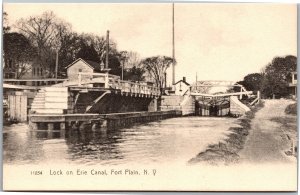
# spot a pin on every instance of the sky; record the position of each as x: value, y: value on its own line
x: 216, y: 41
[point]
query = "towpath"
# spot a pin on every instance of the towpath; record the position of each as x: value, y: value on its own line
x: 267, y: 140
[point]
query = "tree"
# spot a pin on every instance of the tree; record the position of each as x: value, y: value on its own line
x: 18, y: 53
x: 276, y: 76
x: 6, y: 26
x: 44, y: 32
x: 132, y: 60
x: 69, y: 47
x: 252, y: 82
x: 134, y: 74
x: 157, y: 66
x: 88, y: 52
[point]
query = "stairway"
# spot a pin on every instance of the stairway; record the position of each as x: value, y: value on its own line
x: 50, y: 100
x: 38, y: 101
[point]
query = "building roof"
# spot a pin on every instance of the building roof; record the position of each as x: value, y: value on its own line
x: 92, y: 64
x: 182, y: 81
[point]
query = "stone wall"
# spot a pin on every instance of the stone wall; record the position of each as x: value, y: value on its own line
x: 186, y: 104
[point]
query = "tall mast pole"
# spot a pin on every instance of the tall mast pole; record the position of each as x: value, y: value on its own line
x: 107, y: 50
x: 173, y: 45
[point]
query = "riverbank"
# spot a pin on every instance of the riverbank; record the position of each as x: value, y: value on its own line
x: 226, y: 151
x: 271, y: 135
x: 266, y: 134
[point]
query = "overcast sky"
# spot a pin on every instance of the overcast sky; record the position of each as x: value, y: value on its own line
x: 218, y: 41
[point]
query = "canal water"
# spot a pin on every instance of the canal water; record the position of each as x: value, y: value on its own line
x: 175, y: 140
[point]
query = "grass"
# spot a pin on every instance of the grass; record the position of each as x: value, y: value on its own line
x: 288, y: 125
x: 226, y: 152
x: 291, y: 109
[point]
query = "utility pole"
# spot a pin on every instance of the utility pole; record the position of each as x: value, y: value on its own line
x: 56, y: 64
x: 173, y: 45
x: 107, y: 49
x: 196, y: 80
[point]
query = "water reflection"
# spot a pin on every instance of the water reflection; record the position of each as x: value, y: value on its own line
x: 171, y: 140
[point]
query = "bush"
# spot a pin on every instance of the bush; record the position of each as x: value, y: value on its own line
x: 291, y: 109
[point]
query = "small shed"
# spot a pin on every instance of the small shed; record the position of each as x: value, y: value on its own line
x: 181, y: 87
x: 80, y: 65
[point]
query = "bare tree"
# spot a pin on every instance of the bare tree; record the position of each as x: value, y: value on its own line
x: 133, y: 60
x: 157, y: 66
x: 46, y: 33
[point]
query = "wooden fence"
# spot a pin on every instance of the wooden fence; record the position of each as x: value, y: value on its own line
x: 17, y: 107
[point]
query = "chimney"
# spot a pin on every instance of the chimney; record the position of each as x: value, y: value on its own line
x: 184, y: 79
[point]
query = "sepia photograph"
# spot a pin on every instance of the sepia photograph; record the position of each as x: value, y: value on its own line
x: 149, y: 97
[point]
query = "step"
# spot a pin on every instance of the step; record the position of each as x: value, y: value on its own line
x: 38, y: 101
x: 39, y: 98
x: 56, y: 89
x: 49, y: 111
x: 58, y: 105
x: 37, y: 107
x: 56, y: 94
x: 56, y: 99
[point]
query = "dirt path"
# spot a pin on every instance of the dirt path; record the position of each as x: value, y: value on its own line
x: 266, y: 141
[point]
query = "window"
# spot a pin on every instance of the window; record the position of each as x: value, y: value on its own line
x: 79, y: 70
x: 295, y: 76
x: 10, y: 63
x: 33, y: 71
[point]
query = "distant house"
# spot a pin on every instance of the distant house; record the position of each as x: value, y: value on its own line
x: 293, y: 85
x: 32, y: 71
x: 28, y: 74
x: 181, y: 87
x: 80, y: 65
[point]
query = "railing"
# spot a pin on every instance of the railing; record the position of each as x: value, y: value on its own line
x: 114, y: 82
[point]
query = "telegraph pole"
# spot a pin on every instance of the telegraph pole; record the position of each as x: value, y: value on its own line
x: 107, y: 49
x: 173, y: 45
x: 56, y: 64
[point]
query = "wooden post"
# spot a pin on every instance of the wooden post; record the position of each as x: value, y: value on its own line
x: 50, y: 126
x: 106, y: 81
x: 63, y: 126
x: 79, y: 79
x: 33, y: 126
x: 241, y: 96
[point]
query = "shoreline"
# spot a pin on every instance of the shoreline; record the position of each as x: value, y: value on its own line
x: 226, y: 151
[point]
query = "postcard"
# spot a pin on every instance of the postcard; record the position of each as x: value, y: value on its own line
x: 149, y: 97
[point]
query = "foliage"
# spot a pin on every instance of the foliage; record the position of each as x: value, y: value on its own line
x: 277, y: 75
x: 87, y: 52
x: 157, y: 66
x: 291, y: 109
x: 134, y: 74
x: 47, y: 33
x: 52, y: 36
x: 18, y: 53
x: 252, y: 82
x: 274, y: 79
x: 6, y: 26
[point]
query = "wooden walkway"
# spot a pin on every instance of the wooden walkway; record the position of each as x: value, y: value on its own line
x: 112, y: 120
